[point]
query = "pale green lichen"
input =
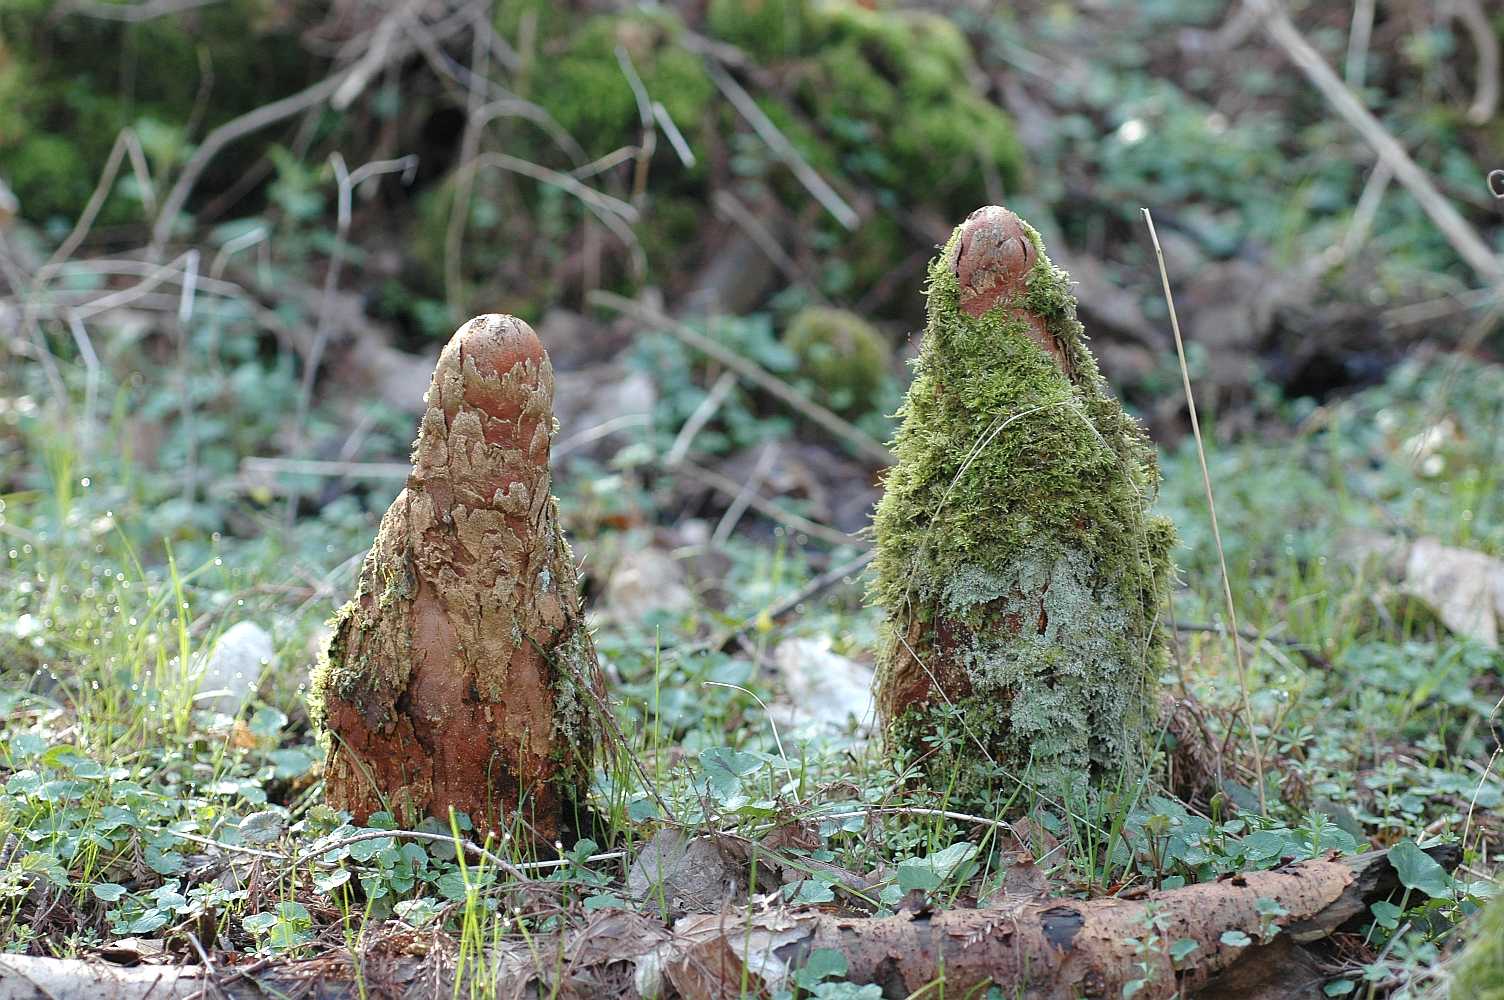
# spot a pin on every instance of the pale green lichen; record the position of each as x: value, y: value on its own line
x: 1016, y: 553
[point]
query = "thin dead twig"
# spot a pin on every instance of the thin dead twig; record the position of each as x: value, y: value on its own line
x: 1463, y: 237
x: 464, y: 183
x: 774, y: 612
x: 347, y: 181
x: 698, y: 419
x: 269, y: 114
x: 732, y: 208
x: 649, y: 144
x: 794, y: 522
x: 744, y: 497
x: 1486, y: 97
x: 337, y: 470
x: 781, y: 147
x: 1206, y: 479
x: 843, y: 429
x: 1358, y: 37
x: 615, y: 214
x: 132, y: 13
x: 440, y: 838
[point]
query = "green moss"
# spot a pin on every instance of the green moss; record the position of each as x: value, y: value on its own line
x: 1479, y: 970
x: 768, y: 29
x: 589, y: 96
x: 86, y: 78
x: 842, y: 354
x: 895, y: 89
x: 1020, y: 497
x: 49, y: 175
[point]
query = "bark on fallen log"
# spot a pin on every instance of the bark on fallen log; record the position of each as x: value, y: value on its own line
x: 1044, y: 949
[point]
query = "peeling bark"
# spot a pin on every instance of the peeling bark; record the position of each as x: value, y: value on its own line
x: 461, y: 674
x: 1040, y: 949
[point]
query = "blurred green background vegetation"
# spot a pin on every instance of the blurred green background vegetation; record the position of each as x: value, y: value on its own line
x: 234, y: 233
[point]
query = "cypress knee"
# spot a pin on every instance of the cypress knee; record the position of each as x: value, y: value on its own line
x: 1021, y: 572
x: 459, y: 676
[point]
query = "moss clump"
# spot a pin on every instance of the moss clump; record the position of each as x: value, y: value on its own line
x: 768, y: 29
x: 1479, y: 970
x: 1021, y: 572
x: 588, y: 94
x: 897, y: 88
x: 842, y: 354
x: 87, y: 78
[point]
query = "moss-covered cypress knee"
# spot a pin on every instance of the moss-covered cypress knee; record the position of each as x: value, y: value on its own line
x: 460, y: 674
x: 1021, y: 571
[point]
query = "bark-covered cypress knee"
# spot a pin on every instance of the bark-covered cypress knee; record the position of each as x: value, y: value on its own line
x: 1022, y: 574
x: 460, y: 674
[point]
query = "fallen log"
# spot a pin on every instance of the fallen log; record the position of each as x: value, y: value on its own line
x: 1037, y: 948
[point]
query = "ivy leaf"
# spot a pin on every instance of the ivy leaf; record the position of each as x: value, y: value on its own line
x: 259, y: 923
x: 724, y: 769
x: 267, y: 722
x: 365, y: 850
x: 1236, y: 939
x: 109, y: 892
x: 1417, y: 870
x: 149, y: 921
x: 262, y: 827
x: 1386, y: 914
x: 452, y: 885
x: 929, y: 872
x: 605, y: 901
x: 814, y: 891
x: 328, y: 883
x: 823, y: 963
x: 163, y: 863
x: 917, y: 873
x: 1182, y: 948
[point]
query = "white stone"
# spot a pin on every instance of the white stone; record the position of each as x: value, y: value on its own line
x: 230, y: 672
x: 826, y: 691
x: 643, y: 582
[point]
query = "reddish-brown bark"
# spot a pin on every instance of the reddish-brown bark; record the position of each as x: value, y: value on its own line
x: 461, y: 675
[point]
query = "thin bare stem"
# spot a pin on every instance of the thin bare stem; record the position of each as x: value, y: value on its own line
x: 698, y: 419
x: 868, y: 446
x: 1463, y: 237
x: 781, y: 147
x: 1211, y: 504
x: 794, y: 522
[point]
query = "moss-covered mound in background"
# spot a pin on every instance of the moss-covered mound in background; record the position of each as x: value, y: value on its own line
x: 1022, y: 574
x: 884, y: 103
x: 845, y: 357
x: 893, y: 91
x: 69, y: 82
